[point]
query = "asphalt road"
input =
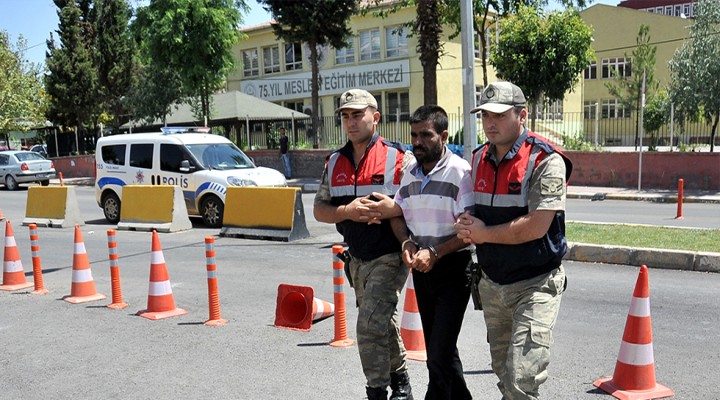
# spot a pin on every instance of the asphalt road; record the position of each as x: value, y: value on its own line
x: 57, y: 350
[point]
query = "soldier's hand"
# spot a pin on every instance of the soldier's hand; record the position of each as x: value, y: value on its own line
x: 468, y: 227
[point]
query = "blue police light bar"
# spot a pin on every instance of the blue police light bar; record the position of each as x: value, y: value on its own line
x: 168, y: 130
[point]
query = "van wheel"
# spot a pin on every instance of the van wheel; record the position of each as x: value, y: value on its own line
x: 211, y: 210
x: 111, y: 207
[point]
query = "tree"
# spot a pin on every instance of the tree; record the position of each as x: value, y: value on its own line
x: 695, y: 68
x: 627, y: 85
x: 22, y: 97
x: 655, y: 115
x: 193, y: 38
x: 114, y: 55
x: 544, y: 55
x: 317, y: 23
x: 72, y: 79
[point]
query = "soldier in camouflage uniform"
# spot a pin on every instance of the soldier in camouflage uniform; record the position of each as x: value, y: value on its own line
x: 518, y: 227
x: 366, y: 164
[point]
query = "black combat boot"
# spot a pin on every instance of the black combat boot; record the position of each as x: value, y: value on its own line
x: 376, y: 393
x: 400, y: 385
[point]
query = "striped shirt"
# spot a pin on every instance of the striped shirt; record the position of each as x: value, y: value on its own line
x: 431, y: 204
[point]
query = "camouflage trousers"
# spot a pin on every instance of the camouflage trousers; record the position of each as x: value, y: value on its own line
x: 377, y: 289
x: 520, y: 318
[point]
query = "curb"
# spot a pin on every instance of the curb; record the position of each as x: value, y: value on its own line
x: 653, y: 258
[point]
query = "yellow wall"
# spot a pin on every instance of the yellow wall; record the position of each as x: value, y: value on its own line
x: 615, y: 33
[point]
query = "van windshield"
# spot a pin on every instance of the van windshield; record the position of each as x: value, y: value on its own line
x: 220, y: 156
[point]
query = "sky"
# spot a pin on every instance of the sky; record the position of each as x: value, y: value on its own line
x: 35, y: 19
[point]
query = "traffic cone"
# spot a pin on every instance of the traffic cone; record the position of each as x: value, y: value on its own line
x: 161, y: 303
x: 634, y: 376
x: 37, y: 263
x: 297, y: 308
x: 13, y: 272
x: 83, y: 285
x: 2, y: 217
x: 341, y: 338
x: 411, y: 329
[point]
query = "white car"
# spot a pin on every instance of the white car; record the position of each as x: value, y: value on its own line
x: 202, y: 164
x: 24, y: 166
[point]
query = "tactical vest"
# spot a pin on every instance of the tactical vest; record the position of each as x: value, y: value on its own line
x: 379, y: 170
x: 501, y: 195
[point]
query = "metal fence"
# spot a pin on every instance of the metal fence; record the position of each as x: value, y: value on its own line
x: 571, y: 130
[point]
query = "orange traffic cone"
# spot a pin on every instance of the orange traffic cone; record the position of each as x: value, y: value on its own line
x: 83, y: 285
x: 297, y: 308
x: 634, y: 376
x: 161, y: 303
x: 411, y: 329
x: 2, y: 217
x: 13, y: 272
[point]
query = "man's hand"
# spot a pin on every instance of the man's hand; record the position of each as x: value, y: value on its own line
x: 469, y: 229
x: 380, y: 206
x: 423, y: 260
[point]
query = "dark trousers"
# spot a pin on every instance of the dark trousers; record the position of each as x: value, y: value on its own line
x: 442, y: 296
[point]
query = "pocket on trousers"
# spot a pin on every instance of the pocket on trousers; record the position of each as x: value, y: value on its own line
x: 541, y: 335
x: 377, y: 318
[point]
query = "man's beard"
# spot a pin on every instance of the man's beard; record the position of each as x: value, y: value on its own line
x: 428, y: 155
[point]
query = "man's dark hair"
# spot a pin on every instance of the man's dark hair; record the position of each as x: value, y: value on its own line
x: 433, y: 113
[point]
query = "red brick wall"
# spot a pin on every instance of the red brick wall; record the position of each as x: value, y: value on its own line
x: 661, y: 170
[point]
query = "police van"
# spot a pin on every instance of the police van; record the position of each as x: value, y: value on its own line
x: 203, y: 165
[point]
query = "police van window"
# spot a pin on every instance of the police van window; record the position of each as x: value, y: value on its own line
x: 114, y: 154
x: 171, y: 155
x: 141, y: 155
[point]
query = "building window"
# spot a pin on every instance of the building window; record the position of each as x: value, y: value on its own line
x: 293, y: 56
x: 589, y: 109
x: 651, y: 10
x: 659, y: 10
x: 398, y: 103
x: 686, y: 10
x: 668, y: 10
x: 621, y: 65
x: 678, y: 10
x: 396, y: 42
x: 250, y: 63
x: 591, y: 71
x: 346, y: 55
x: 489, y: 40
x: 298, y: 106
x: 370, y: 44
x: 612, y: 109
x: 271, y: 60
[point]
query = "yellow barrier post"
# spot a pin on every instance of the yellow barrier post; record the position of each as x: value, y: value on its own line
x: 153, y: 207
x: 264, y: 213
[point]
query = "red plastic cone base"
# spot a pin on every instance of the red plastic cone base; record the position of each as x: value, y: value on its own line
x: 658, y: 392
x: 161, y: 314
x: 10, y: 288
x: 215, y: 322
x: 84, y: 299
x: 342, y: 343
x: 117, y: 306
x: 417, y: 355
x: 40, y: 291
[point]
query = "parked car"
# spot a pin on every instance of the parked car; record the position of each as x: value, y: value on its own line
x: 40, y: 148
x: 24, y: 166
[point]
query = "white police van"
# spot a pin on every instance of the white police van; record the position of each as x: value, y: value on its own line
x: 202, y: 164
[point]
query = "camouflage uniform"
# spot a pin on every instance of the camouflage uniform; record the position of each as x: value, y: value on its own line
x: 377, y: 285
x: 520, y: 316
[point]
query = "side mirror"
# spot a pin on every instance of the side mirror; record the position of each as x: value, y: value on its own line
x: 185, y: 166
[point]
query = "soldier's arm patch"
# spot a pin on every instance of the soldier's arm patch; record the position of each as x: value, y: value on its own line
x: 551, y: 186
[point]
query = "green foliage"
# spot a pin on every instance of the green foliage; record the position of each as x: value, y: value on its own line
x: 695, y: 67
x: 72, y: 81
x: 317, y: 23
x: 544, y: 55
x: 193, y: 38
x: 114, y: 56
x: 576, y: 142
x: 22, y: 97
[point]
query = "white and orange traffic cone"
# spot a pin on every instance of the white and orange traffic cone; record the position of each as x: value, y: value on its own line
x: 37, y: 264
x: 341, y: 338
x: 13, y: 272
x: 117, y: 298
x: 634, y: 376
x: 83, y: 285
x: 161, y: 303
x: 2, y: 217
x: 411, y: 329
x: 298, y: 308
x: 213, y: 293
